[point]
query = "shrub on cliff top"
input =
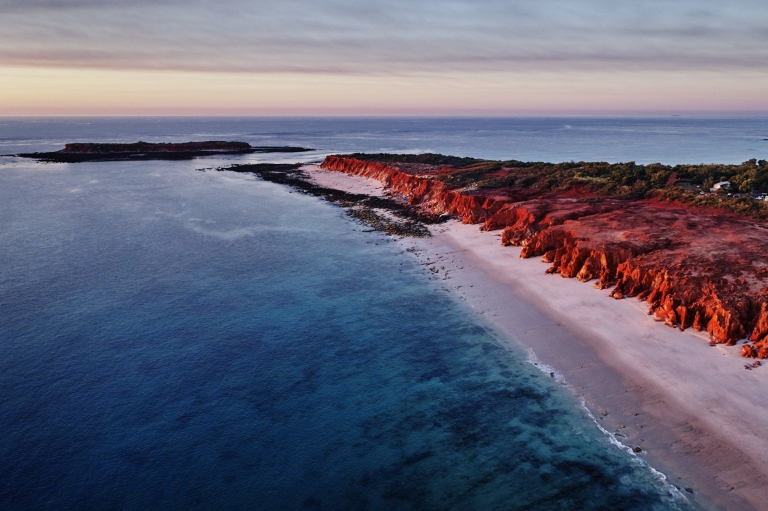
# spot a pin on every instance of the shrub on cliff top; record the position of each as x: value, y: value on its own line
x: 617, y: 180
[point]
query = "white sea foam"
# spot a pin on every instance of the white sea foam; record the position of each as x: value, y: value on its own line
x: 553, y: 373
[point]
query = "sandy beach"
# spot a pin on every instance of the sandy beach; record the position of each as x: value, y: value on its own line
x: 694, y: 411
x: 346, y: 182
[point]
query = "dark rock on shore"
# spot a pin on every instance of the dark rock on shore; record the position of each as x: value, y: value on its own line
x: 402, y: 219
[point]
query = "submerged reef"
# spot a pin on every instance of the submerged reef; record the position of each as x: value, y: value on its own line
x: 697, y: 260
x: 379, y: 213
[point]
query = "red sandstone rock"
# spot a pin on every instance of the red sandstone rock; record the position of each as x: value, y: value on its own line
x: 748, y: 351
x: 694, y: 267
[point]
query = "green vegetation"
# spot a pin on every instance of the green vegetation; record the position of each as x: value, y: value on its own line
x: 744, y: 205
x: 619, y: 180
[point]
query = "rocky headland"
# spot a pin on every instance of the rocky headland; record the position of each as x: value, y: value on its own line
x: 80, y: 152
x: 697, y: 259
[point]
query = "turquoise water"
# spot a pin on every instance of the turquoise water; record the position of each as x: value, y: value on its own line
x: 177, y: 339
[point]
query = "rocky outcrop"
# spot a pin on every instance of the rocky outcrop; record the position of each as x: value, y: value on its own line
x: 420, y: 190
x: 694, y: 268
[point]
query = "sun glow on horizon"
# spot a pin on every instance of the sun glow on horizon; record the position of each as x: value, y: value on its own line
x: 60, y: 91
x: 392, y: 57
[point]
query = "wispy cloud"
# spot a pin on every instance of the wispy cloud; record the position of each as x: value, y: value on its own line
x: 385, y: 37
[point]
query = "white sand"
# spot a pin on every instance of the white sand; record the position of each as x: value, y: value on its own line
x: 698, y: 415
x: 699, y: 408
x: 341, y: 181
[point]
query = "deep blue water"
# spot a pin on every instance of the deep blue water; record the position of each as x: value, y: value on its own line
x: 176, y: 339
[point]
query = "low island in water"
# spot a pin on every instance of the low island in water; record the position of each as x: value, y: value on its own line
x: 688, y: 240
x: 88, y: 151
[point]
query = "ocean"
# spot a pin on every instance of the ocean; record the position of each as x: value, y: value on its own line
x: 174, y: 337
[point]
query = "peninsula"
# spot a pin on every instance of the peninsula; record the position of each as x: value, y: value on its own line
x: 688, y: 241
x: 694, y: 252
x: 81, y: 152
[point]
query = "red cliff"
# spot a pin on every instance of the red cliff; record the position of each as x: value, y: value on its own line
x: 419, y: 189
x: 694, y: 268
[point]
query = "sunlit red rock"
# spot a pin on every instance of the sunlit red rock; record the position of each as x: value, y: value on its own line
x: 694, y: 267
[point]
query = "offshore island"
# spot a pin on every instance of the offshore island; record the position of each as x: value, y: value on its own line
x: 687, y: 242
x: 81, y: 152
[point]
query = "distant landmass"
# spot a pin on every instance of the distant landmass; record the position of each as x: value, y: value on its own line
x: 90, y: 151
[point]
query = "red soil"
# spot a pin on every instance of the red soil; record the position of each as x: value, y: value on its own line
x: 694, y: 267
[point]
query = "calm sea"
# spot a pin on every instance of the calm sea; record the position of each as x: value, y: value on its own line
x: 172, y: 338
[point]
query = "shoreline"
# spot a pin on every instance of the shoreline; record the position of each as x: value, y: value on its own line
x: 681, y: 436
x: 692, y: 409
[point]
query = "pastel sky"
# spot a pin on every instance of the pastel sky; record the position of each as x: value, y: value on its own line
x: 484, y: 57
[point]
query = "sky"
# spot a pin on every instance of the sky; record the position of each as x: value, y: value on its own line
x: 383, y: 57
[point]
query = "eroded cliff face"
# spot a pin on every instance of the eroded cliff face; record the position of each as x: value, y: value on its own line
x: 419, y: 189
x: 693, y: 267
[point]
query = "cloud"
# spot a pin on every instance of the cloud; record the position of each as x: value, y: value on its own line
x: 43, y: 5
x: 385, y: 36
